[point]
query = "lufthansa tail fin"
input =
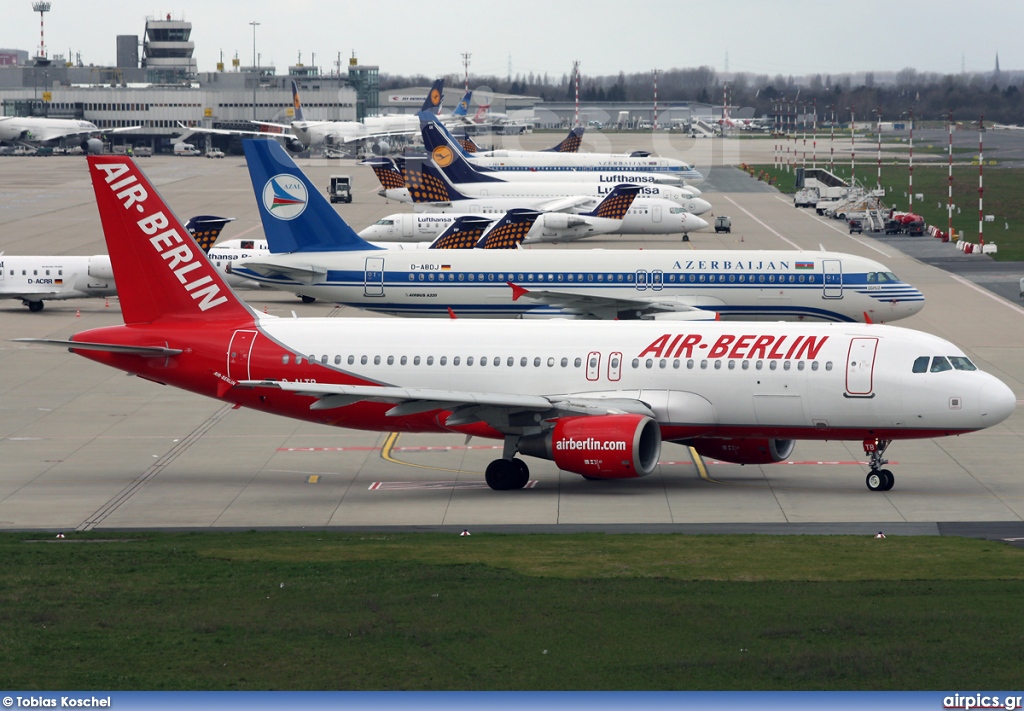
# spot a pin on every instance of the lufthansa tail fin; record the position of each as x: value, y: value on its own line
x: 616, y: 203
x: 296, y: 216
x: 205, y: 229
x: 432, y: 104
x: 464, y: 233
x: 510, y: 231
x: 296, y: 103
x: 387, y: 172
x: 426, y: 184
x: 466, y: 141
x: 447, y: 156
x: 161, y: 272
x: 463, y: 108
x: 570, y: 144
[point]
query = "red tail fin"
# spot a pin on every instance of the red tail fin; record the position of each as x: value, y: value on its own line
x: 159, y: 269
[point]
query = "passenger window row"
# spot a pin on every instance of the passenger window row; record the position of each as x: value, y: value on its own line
x: 677, y: 363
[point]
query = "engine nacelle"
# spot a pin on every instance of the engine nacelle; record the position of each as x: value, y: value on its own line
x: 380, y: 148
x: 746, y: 451
x: 294, y: 145
x: 601, y: 446
x: 99, y: 268
x: 92, y: 146
x: 560, y: 221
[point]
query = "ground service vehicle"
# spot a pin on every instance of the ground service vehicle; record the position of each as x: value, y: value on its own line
x: 340, y: 189
x: 723, y: 224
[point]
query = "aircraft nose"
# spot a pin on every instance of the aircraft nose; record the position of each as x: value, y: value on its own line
x: 692, y: 190
x: 695, y: 223
x: 996, y: 402
x: 697, y: 206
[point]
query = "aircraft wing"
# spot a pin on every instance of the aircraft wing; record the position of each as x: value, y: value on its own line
x: 565, y: 203
x: 496, y: 409
x: 375, y: 134
x: 307, y: 274
x: 607, y: 308
x: 233, y: 132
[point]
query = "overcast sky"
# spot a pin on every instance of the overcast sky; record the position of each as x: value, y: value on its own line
x: 402, y: 37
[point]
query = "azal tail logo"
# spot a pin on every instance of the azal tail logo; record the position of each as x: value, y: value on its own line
x: 285, y: 203
x: 442, y: 155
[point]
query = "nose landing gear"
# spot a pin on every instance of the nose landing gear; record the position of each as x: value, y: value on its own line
x: 878, y: 479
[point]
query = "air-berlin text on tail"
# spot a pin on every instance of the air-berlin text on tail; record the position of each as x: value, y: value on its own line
x: 176, y: 252
x: 751, y: 346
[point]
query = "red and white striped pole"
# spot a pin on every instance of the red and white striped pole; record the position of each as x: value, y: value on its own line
x: 814, y: 135
x: 981, y: 187
x: 853, y: 151
x: 832, y: 143
x: 910, y: 195
x: 803, y: 121
x: 576, y: 73
x: 878, y: 183
x: 655, y: 99
x: 949, y: 197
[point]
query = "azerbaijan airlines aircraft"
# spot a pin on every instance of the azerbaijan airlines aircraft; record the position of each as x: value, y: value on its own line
x: 597, y: 398
x: 315, y: 254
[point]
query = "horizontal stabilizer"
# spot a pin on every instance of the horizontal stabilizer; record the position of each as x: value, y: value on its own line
x: 148, y: 351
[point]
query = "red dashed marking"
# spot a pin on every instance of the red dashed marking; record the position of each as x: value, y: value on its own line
x: 421, y: 485
x: 394, y: 449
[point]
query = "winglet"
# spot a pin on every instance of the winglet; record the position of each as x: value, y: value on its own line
x: 517, y: 291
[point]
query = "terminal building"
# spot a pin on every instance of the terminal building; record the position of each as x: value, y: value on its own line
x: 163, y: 88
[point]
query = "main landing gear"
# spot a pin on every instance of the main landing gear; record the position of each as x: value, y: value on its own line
x: 33, y: 306
x: 507, y: 474
x: 878, y: 479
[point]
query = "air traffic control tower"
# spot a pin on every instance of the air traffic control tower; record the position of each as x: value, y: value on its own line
x: 167, y: 51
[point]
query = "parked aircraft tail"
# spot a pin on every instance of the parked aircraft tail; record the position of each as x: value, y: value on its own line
x: 435, y: 96
x: 296, y: 103
x: 387, y: 172
x: 205, y: 229
x: 570, y: 144
x: 463, y: 108
x: 448, y: 157
x: 510, y: 231
x: 426, y: 184
x: 296, y: 216
x: 161, y: 272
x: 616, y: 203
x: 464, y: 233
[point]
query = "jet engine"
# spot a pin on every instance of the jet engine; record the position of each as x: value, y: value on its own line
x: 99, y: 268
x: 380, y: 148
x: 746, y: 451
x: 294, y: 145
x: 92, y: 146
x: 561, y: 221
x: 599, y: 447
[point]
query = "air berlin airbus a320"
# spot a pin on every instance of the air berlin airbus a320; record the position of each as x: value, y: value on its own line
x: 597, y: 398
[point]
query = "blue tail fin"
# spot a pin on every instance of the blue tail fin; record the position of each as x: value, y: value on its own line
x: 296, y: 216
x: 447, y: 155
x: 463, y: 108
x: 616, y: 203
x: 463, y: 233
x: 205, y: 229
x: 510, y: 230
x: 571, y: 144
x: 434, y: 97
x: 296, y: 103
x: 387, y: 172
x: 426, y: 184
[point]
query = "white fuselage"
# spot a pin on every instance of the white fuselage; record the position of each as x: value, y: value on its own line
x: 764, y: 285
x: 814, y: 381
x: 519, y: 163
x: 40, y: 130
x: 526, y: 194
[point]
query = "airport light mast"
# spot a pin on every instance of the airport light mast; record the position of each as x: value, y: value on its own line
x: 949, y: 195
x: 465, y: 66
x: 42, y: 8
x: 255, y: 68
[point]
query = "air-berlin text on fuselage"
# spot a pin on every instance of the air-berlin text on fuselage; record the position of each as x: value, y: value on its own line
x: 751, y: 346
x: 176, y: 252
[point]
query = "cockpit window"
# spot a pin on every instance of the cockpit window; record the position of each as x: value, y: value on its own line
x: 889, y: 276
x: 962, y: 363
x: 921, y: 364
x: 385, y: 222
x: 940, y: 364
x: 676, y: 211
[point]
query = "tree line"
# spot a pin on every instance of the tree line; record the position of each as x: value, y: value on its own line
x: 931, y: 96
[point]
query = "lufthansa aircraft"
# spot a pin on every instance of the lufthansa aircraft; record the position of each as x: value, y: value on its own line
x: 37, y: 131
x: 597, y: 398
x: 317, y: 255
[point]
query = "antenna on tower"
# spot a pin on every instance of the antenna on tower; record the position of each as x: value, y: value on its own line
x: 42, y: 8
x: 465, y: 66
x: 726, y: 61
